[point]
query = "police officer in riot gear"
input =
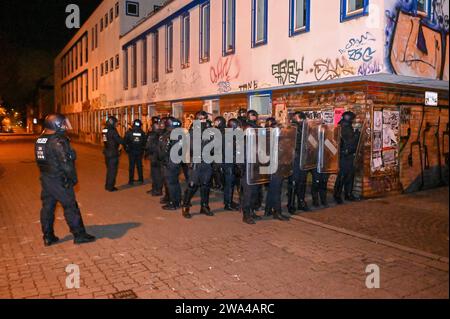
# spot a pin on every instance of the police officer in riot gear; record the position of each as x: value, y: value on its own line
x: 230, y: 170
x: 200, y: 173
x: 349, y: 145
x: 151, y: 150
x: 135, y: 141
x: 56, y: 160
x: 171, y: 169
x: 274, y: 190
x: 242, y: 117
x: 250, y: 194
x: 297, y: 182
x: 111, y: 144
x: 217, y: 177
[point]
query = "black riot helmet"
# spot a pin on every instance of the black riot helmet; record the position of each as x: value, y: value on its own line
x: 137, y: 124
x: 271, y: 122
x: 57, y: 122
x: 155, y: 120
x: 220, y: 122
x: 234, y: 124
x: 347, y: 118
x: 201, y: 116
x: 172, y: 123
x: 242, y: 112
x: 111, y: 121
x: 252, y: 113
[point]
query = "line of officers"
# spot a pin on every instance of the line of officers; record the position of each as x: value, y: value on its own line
x: 156, y: 146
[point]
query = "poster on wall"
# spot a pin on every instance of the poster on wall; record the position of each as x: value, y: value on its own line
x: 377, y: 145
x: 391, y: 120
x: 338, y: 115
x: 328, y: 117
x: 377, y: 121
x: 281, y: 113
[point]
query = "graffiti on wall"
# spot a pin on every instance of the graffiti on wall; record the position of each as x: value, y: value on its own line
x: 226, y: 70
x: 415, y: 44
x: 287, y: 71
x: 327, y: 69
x: 369, y: 68
x: 360, y: 48
x: 252, y: 85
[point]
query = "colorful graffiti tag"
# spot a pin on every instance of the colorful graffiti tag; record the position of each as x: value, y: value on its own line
x: 417, y: 45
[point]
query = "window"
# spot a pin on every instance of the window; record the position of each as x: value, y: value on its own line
x: 111, y: 15
x: 185, y: 39
x: 86, y: 49
x: 92, y: 39
x: 111, y: 64
x: 132, y: 9
x: 75, y: 53
x: 106, y: 21
x: 80, y: 51
x: 299, y: 16
x: 423, y: 7
x: 351, y: 9
x: 155, y: 56
x: 229, y: 26
x: 117, y: 61
x: 101, y: 24
x: 133, y: 66
x: 144, y: 61
x: 125, y: 69
x: 261, y: 103
x: 117, y: 9
x: 259, y: 22
x: 102, y: 70
x: 93, y: 79
x: 169, y: 47
x: 106, y: 67
x: 96, y: 77
x: 204, y: 32
x: 96, y: 36
x: 81, y: 89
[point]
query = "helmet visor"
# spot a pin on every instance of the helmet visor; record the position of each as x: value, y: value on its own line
x: 66, y: 126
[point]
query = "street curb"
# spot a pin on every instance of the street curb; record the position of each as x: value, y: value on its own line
x: 373, y: 239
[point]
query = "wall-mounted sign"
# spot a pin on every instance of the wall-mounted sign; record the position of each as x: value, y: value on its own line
x: 431, y: 98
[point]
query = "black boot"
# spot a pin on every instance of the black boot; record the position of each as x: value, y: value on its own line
x: 303, y: 206
x: 164, y: 199
x: 351, y: 198
x: 171, y: 206
x: 232, y: 207
x: 186, y: 212
x: 50, y: 239
x: 338, y: 191
x: 291, y: 199
x: 248, y: 219
x: 278, y: 215
x: 205, y: 210
x: 82, y: 238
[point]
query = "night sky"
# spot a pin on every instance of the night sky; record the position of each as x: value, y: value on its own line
x: 32, y: 32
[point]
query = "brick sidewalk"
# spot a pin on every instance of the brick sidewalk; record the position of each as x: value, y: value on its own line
x: 161, y: 255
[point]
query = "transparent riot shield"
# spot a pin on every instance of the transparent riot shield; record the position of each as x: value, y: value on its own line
x: 269, y: 152
x: 309, y: 152
x: 329, y: 144
x: 257, y: 142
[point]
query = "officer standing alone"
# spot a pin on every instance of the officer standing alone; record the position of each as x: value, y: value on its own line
x: 349, y: 145
x: 135, y: 141
x: 111, y: 143
x: 56, y: 160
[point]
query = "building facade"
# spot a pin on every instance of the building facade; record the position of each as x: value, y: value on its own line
x: 136, y: 59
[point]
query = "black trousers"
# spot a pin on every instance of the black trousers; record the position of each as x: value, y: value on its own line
x: 319, y: 184
x: 298, y: 180
x: 135, y: 161
x: 112, y: 165
x: 249, y: 193
x: 53, y: 191
x: 200, y: 177
x: 273, y: 197
x: 230, y: 183
x: 345, y: 176
x: 157, y: 176
x: 171, y: 176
